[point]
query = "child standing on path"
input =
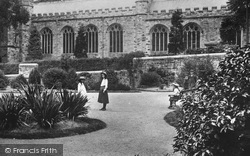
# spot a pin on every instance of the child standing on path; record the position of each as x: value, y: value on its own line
x: 81, y: 87
x: 103, y: 94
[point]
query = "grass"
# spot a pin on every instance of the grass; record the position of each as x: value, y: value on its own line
x: 62, y: 129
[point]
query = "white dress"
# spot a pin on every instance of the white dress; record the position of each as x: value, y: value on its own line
x: 81, y: 89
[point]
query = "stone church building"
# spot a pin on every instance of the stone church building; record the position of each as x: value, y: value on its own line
x: 115, y: 27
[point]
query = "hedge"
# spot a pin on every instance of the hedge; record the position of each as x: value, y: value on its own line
x: 9, y: 68
x: 81, y: 64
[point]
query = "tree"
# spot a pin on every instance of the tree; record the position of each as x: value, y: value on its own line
x: 81, y: 44
x: 12, y: 13
x: 240, y: 9
x: 230, y: 26
x: 34, y: 47
x: 176, y: 33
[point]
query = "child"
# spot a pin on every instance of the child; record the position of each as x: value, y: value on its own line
x: 175, y: 96
x: 81, y: 87
x: 103, y: 93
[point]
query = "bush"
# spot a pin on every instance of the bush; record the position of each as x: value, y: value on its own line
x: 4, y: 82
x: 71, y: 79
x: 150, y: 79
x: 202, y: 68
x: 44, y: 105
x: 65, y: 63
x: 35, y: 77
x: 126, y: 61
x: 9, y: 68
x: 12, y: 113
x: 167, y: 77
x: 216, y: 118
x: 18, y: 82
x: 91, y: 64
x: 73, y: 105
x: 34, y: 46
x: 55, y: 77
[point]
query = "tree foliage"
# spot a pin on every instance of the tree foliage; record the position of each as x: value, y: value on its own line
x: 81, y: 43
x: 176, y: 31
x: 240, y: 14
x: 34, y: 47
x: 12, y: 13
x: 216, y: 118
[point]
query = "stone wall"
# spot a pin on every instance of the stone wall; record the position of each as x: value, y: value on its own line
x: 175, y: 63
x: 136, y: 21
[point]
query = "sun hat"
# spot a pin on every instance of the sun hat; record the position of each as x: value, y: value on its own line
x: 175, y: 84
x: 103, y: 72
x: 82, y: 78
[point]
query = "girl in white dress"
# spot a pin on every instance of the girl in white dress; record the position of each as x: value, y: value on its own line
x: 81, y: 87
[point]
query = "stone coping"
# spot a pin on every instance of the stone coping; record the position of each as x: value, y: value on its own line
x: 179, y: 56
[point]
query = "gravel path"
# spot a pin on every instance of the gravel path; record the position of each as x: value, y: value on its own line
x: 135, y: 125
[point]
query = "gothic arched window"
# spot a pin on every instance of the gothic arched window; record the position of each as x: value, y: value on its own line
x: 115, y: 38
x: 191, y: 36
x: 47, y: 41
x: 159, y: 38
x: 92, y: 39
x: 68, y: 40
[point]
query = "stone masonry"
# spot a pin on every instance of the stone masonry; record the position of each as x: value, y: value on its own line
x: 136, y: 21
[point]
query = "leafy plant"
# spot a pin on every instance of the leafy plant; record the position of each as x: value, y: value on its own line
x: 3, y: 80
x: 201, y: 67
x: 71, y: 79
x: 150, y: 79
x: 12, y: 113
x: 167, y: 76
x: 34, y: 46
x: 54, y: 77
x: 176, y: 33
x: 18, y: 82
x: 73, y: 104
x: 216, y: 118
x: 35, y: 77
x: 65, y: 62
x: 81, y: 43
x: 44, y: 105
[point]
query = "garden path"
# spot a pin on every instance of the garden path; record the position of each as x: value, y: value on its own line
x: 135, y: 125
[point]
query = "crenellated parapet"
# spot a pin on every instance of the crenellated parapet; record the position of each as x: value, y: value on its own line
x: 128, y: 11
x: 190, y: 13
x: 109, y: 12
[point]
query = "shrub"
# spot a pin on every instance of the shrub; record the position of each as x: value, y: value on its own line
x: 35, y: 77
x: 65, y: 63
x: 11, y: 112
x: 81, y: 43
x: 34, y: 46
x: 44, y: 105
x: 71, y: 79
x: 216, y: 118
x: 73, y: 105
x: 112, y: 79
x: 167, y: 77
x: 126, y: 61
x: 202, y: 68
x: 121, y: 86
x: 18, y: 81
x: 55, y: 77
x: 9, y: 68
x: 3, y: 80
x: 150, y: 79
